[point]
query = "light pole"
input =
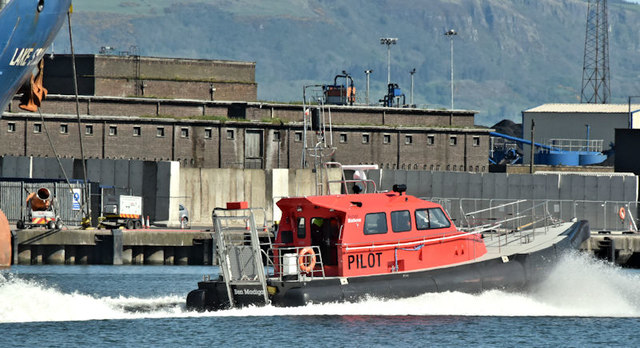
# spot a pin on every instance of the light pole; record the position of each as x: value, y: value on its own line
x: 412, y: 72
x: 368, y: 72
x: 451, y: 33
x: 388, y: 41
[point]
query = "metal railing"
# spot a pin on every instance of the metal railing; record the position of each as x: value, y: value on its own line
x: 285, y: 262
x: 602, y: 215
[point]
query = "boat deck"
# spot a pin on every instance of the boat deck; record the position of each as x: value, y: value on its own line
x: 525, y: 241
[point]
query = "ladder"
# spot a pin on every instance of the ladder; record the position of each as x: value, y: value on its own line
x: 240, y: 260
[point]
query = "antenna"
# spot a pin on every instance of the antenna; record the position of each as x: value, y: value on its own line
x: 595, y: 71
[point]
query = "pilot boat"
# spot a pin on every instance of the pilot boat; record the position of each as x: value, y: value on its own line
x: 355, y: 244
x: 347, y: 247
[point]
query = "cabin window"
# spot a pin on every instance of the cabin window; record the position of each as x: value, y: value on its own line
x: 300, y: 233
x: 422, y: 219
x: 431, y: 218
x: 375, y: 223
x: 438, y: 219
x: 401, y: 221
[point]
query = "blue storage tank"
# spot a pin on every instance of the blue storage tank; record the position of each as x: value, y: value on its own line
x: 557, y: 158
x: 591, y: 157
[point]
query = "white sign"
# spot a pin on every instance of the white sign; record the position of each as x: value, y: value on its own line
x: 77, y: 199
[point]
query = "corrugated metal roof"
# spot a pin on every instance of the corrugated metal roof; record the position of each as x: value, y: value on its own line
x: 585, y: 108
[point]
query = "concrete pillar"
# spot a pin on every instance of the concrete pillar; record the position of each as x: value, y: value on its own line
x: 137, y: 257
x: 14, y: 247
x: 116, y: 247
x: 169, y: 256
x: 54, y: 254
x: 82, y: 254
x: 153, y: 255
x: 36, y: 255
x: 127, y: 255
x: 70, y: 254
x: 24, y: 255
x: 181, y: 255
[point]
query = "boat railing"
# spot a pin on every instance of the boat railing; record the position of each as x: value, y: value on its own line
x: 238, y: 248
x: 602, y: 215
x: 367, y: 185
x: 508, y: 222
x: 407, y: 242
x: 296, y: 263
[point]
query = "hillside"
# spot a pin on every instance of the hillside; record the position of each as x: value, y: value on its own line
x: 508, y: 56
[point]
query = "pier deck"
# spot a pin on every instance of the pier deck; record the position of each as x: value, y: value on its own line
x: 114, y: 247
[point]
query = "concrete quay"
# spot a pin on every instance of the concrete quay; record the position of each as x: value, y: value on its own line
x: 112, y: 247
x: 622, y: 248
x: 196, y: 247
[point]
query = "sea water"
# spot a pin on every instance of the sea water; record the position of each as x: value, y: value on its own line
x: 584, y: 302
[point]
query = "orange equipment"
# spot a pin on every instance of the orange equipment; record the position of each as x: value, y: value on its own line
x: 33, y: 92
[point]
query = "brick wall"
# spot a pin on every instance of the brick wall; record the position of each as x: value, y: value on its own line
x: 211, y: 144
x: 122, y: 76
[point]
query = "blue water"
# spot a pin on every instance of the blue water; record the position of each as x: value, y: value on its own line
x: 583, y: 303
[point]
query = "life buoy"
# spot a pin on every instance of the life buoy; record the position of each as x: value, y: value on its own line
x: 622, y: 213
x: 308, y: 254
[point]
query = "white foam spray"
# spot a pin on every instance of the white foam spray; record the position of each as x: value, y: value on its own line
x: 579, y: 286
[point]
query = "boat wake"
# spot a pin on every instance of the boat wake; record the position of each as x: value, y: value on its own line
x: 30, y: 301
x: 578, y: 287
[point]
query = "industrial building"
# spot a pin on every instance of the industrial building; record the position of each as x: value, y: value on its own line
x: 577, y: 123
x: 236, y: 144
x: 203, y: 114
x: 137, y: 76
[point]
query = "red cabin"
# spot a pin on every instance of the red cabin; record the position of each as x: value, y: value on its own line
x: 375, y: 233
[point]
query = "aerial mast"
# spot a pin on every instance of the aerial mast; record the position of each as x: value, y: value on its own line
x: 595, y: 70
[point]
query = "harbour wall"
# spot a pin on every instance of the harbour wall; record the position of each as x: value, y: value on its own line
x: 165, y: 185
x: 205, y: 189
x: 112, y: 247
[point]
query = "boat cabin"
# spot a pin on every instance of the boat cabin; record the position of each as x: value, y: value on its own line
x: 374, y: 233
